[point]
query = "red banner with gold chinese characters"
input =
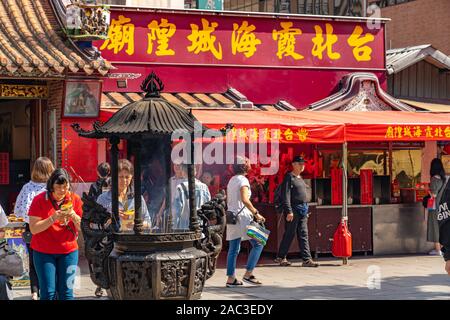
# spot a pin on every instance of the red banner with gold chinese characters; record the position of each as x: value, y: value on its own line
x: 399, y: 132
x: 208, y: 38
x: 335, y: 126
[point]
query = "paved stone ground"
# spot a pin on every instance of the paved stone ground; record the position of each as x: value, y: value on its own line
x: 402, y: 277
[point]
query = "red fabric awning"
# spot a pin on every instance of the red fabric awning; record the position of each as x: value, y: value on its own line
x: 290, y: 127
x: 329, y: 126
x: 338, y: 126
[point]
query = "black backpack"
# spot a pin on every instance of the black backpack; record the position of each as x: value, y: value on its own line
x: 279, y: 197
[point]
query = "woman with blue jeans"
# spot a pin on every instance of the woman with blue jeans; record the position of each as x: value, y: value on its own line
x: 238, y: 201
x: 55, y: 218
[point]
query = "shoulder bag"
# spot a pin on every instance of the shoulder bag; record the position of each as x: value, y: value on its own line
x: 11, y: 264
x: 232, y: 217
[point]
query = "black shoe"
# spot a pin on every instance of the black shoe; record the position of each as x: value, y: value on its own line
x: 98, y: 292
x: 310, y: 264
x: 234, y: 284
x: 283, y: 262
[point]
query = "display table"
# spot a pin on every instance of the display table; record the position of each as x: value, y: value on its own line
x: 400, y: 229
x: 322, y: 224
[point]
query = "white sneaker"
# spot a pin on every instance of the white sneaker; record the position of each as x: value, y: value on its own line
x: 434, y: 252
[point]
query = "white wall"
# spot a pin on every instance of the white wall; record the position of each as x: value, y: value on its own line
x: 172, y: 4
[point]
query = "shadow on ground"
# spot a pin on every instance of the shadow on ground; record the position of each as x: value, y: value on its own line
x: 391, y: 288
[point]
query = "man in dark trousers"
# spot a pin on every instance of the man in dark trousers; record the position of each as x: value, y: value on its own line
x: 295, y: 209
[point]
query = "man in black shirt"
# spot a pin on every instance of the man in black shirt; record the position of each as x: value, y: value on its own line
x: 295, y: 208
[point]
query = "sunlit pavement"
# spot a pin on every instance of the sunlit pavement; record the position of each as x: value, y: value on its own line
x: 389, y: 277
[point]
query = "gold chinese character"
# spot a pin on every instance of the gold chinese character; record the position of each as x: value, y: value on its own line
x: 161, y: 32
x: 203, y: 40
x: 398, y: 132
x: 288, y: 134
x: 407, y: 132
x: 234, y: 133
x: 429, y: 132
x: 438, y: 132
x: 265, y: 134
x: 253, y: 134
x: 447, y: 132
x: 320, y: 44
x: 361, y: 52
x: 389, y: 133
x: 302, y: 134
x: 120, y: 33
x: 276, y: 134
x: 417, y: 132
x: 242, y: 133
x: 243, y: 40
x: 231, y: 134
x: 286, y: 40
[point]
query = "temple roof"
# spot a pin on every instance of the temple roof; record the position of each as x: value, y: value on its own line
x: 32, y: 43
x: 402, y: 58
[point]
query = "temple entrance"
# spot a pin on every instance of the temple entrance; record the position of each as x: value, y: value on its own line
x: 27, y: 131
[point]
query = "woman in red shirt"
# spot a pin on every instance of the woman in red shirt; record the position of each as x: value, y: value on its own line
x: 55, y: 218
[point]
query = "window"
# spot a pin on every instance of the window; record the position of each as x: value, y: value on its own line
x: 116, y: 2
x: 388, y: 3
x: 406, y: 167
x: 319, y: 7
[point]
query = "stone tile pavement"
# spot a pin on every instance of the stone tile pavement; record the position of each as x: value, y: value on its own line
x: 416, y: 277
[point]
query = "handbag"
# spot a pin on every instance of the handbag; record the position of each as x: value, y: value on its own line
x: 232, y: 217
x: 11, y: 264
x: 431, y: 203
x: 257, y: 231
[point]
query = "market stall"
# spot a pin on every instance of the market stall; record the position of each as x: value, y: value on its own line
x: 384, y: 172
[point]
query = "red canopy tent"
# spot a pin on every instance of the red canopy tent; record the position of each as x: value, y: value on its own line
x: 335, y: 126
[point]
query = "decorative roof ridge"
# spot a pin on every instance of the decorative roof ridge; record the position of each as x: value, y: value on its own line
x: 91, y: 54
x: 349, y: 91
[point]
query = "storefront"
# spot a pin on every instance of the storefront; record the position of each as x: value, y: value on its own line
x: 387, y: 160
x: 291, y: 62
x: 222, y: 60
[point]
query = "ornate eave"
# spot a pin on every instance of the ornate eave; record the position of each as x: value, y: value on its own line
x: 360, y: 92
x: 32, y: 44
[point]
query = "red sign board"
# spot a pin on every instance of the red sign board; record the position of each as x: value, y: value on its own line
x: 210, y: 39
x: 79, y: 155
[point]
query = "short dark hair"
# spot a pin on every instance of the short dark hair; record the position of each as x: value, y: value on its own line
x: 298, y: 159
x: 59, y: 176
x: 104, y: 169
x: 242, y: 166
x: 437, y: 168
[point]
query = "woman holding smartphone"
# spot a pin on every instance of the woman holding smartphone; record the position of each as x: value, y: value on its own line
x: 55, y: 217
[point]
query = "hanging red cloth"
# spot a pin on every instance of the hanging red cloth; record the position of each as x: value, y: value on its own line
x: 342, y: 241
